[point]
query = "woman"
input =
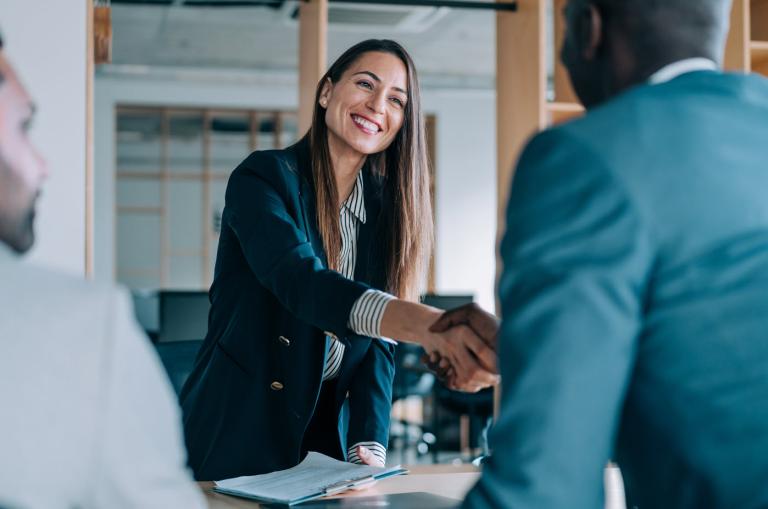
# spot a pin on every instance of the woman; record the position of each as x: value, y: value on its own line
x: 312, y: 238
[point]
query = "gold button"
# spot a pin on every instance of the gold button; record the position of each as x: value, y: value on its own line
x: 276, y: 386
x: 284, y: 340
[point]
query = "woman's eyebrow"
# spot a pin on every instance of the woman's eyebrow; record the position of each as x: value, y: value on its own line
x: 378, y: 80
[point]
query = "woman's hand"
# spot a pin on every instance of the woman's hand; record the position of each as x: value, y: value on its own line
x: 367, y: 457
x: 468, y: 362
x: 472, y: 360
x: 484, y: 324
x: 370, y: 459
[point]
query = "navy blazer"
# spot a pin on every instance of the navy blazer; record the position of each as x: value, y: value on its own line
x: 257, y: 378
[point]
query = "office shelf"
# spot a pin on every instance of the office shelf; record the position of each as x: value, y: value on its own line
x: 562, y: 111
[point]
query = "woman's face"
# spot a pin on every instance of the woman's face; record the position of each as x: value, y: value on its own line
x: 365, y: 109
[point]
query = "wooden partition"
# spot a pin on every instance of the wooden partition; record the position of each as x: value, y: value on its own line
x: 313, y: 55
x: 747, y: 47
x: 759, y: 36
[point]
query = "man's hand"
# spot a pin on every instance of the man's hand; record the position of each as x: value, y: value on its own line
x: 472, y: 359
x: 483, y: 324
x: 469, y: 361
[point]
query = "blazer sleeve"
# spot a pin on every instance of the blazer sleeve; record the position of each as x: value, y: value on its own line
x: 277, y: 249
x: 370, y: 395
x: 576, y: 258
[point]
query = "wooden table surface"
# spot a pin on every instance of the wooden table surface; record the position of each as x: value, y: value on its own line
x: 444, y: 480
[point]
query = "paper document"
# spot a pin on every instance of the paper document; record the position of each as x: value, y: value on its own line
x: 316, y: 476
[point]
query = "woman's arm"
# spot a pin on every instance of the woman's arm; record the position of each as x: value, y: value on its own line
x: 472, y: 359
x: 277, y: 249
x: 282, y: 258
x: 370, y: 403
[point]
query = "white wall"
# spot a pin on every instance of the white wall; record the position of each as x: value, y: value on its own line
x: 466, y: 192
x: 47, y: 46
x: 466, y: 161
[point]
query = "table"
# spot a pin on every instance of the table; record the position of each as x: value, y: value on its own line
x: 444, y: 480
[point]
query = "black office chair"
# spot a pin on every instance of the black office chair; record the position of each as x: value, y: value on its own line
x: 183, y: 315
x: 146, y: 307
x: 478, y: 410
x: 178, y: 357
x: 411, y: 379
x: 477, y: 407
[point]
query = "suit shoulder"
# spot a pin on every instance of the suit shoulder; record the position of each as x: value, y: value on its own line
x: 278, y: 167
x: 60, y: 284
x: 53, y: 308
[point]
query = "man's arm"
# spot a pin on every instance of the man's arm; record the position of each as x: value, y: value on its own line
x: 576, y: 257
x: 141, y: 457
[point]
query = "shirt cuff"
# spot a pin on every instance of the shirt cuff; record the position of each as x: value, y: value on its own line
x: 378, y: 451
x: 367, y: 313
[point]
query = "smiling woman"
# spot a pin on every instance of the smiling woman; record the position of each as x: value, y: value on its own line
x: 322, y: 252
x: 368, y: 99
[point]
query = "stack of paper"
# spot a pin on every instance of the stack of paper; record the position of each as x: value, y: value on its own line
x: 316, y: 476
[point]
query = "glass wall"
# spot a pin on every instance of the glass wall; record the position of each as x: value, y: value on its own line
x: 172, y: 171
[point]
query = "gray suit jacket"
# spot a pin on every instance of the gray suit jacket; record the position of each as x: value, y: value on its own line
x: 88, y: 416
x: 635, y: 304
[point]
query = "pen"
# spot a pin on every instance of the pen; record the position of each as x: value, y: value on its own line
x: 349, y: 483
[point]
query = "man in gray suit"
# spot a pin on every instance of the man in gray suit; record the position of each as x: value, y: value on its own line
x: 635, y: 287
x: 88, y: 416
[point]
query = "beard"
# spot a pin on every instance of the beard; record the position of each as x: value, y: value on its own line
x: 17, y: 222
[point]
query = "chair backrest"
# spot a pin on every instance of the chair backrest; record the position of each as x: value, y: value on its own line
x: 178, y: 358
x: 411, y: 376
x: 147, y: 310
x: 183, y: 315
x: 446, y: 302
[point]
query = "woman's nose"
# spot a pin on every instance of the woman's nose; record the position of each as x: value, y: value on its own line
x: 376, y: 103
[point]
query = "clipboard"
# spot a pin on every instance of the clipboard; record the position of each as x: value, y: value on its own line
x: 315, y: 477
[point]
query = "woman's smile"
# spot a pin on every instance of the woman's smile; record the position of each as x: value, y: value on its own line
x: 366, y: 125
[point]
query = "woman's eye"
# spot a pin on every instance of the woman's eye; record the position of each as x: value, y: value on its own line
x: 397, y: 101
x: 365, y: 84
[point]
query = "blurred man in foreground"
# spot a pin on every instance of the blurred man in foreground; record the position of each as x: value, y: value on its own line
x: 89, y: 419
x: 635, y: 287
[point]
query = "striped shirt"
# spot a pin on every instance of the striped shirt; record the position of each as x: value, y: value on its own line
x: 367, y: 311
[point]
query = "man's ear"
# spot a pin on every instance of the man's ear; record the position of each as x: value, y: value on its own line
x: 590, y: 31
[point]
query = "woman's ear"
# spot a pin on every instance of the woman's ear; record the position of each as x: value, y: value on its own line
x: 325, y: 93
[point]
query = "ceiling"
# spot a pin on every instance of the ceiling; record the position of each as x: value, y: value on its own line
x: 446, y: 44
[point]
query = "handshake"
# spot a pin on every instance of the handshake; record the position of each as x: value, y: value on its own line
x: 461, y: 348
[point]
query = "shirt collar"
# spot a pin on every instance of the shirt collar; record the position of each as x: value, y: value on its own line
x: 675, y: 69
x: 355, y: 203
x: 6, y: 254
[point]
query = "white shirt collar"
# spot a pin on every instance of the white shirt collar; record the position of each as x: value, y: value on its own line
x: 675, y: 69
x: 355, y: 203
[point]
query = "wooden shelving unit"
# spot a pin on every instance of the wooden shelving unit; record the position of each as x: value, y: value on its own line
x: 759, y: 56
x: 558, y: 112
x: 747, y: 48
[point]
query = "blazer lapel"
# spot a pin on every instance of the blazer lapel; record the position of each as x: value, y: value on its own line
x: 307, y: 197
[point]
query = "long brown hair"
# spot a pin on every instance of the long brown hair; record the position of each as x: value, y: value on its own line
x: 403, y: 166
